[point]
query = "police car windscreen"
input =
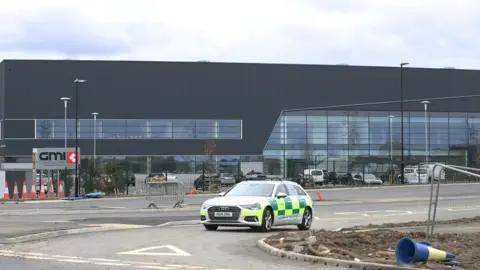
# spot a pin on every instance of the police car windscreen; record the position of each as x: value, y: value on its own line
x: 252, y: 189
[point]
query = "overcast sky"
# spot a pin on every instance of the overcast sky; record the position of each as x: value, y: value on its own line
x: 426, y: 33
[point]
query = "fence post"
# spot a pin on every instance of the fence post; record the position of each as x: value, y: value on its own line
x: 430, y: 204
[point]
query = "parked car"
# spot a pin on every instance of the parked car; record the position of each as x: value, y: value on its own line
x: 371, y: 179
x: 227, y: 179
x: 156, y: 178
x: 253, y: 175
x: 129, y: 178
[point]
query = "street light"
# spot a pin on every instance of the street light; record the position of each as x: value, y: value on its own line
x: 94, y: 139
x: 425, y: 105
x: 65, y: 103
x: 402, y: 165
x: 390, y: 126
x: 77, y: 180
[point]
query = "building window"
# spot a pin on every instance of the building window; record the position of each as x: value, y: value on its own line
x: 161, y: 129
x: 140, y: 129
x: 114, y: 129
x: 136, y: 129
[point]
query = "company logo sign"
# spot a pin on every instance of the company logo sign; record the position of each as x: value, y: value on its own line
x: 56, y: 158
x: 71, y: 157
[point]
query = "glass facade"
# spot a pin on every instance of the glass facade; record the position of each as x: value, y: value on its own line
x: 348, y: 141
x: 140, y: 129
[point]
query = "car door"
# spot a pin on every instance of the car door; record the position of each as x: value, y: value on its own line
x: 293, y: 204
x: 279, y: 206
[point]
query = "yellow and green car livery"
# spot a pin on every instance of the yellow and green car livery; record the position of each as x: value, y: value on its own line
x: 259, y: 205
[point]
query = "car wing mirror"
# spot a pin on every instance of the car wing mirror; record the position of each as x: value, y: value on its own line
x: 281, y: 195
x: 221, y: 194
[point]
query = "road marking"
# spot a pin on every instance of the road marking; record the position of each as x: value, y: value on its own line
x: 120, y: 226
x: 73, y: 261
x: 111, y: 264
x: 104, y: 260
x: 317, y: 218
x: 174, y: 251
x: 65, y: 257
x: 153, y: 267
x: 365, y: 215
x: 185, y: 266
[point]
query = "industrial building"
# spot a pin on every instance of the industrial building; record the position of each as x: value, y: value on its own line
x: 176, y: 116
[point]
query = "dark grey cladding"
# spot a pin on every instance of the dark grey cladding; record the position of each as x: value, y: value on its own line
x: 254, y: 93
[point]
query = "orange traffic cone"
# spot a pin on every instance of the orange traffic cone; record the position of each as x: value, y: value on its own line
x: 15, y: 191
x: 61, y: 194
x: 33, y: 190
x: 193, y: 191
x: 51, y: 192
x: 319, y: 196
x: 6, y: 193
x: 41, y: 195
x: 24, y: 190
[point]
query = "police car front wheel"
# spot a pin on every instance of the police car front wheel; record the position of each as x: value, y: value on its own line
x: 211, y: 227
x: 267, y: 220
x: 306, y: 220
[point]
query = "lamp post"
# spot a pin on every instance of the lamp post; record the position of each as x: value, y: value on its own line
x: 77, y: 179
x: 425, y: 106
x: 65, y: 103
x: 390, y: 126
x: 402, y: 165
x: 94, y: 139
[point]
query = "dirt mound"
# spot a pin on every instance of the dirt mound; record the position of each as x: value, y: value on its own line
x: 378, y: 244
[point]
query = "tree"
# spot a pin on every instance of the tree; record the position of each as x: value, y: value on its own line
x: 93, y: 172
x: 210, y: 149
x: 115, y: 174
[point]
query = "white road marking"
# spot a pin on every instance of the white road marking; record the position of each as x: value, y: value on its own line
x: 73, y: 261
x: 153, y: 267
x: 185, y: 266
x: 104, y: 260
x: 65, y: 257
x: 174, y: 251
x: 111, y: 264
x: 317, y: 218
x: 365, y: 215
x: 37, y: 258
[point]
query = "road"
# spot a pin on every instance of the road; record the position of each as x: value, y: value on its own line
x: 223, y: 249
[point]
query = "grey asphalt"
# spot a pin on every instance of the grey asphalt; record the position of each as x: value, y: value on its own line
x: 340, y: 209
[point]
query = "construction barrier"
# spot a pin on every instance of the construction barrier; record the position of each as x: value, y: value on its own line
x: 24, y: 192
x: 165, y: 193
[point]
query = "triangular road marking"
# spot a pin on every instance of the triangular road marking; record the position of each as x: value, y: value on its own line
x: 172, y: 251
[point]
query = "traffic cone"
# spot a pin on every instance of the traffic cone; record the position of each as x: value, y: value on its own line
x: 319, y: 196
x: 41, y: 195
x: 408, y: 252
x: 24, y: 190
x: 15, y: 191
x: 61, y: 194
x: 6, y: 193
x: 51, y: 192
x: 33, y: 190
x: 193, y: 191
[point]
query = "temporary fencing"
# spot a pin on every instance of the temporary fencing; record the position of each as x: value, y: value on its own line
x: 449, y: 201
x: 165, y: 193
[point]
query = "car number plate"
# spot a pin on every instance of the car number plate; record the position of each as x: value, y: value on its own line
x: 223, y: 214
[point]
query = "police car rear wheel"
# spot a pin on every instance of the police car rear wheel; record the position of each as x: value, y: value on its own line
x: 267, y: 220
x: 211, y: 227
x: 306, y: 220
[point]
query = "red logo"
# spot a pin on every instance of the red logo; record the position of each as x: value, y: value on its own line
x: 71, y: 157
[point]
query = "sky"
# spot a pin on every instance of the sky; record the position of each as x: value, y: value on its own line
x: 425, y: 33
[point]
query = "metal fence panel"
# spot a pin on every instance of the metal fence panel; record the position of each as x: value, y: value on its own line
x: 451, y: 200
x: 165, y: 193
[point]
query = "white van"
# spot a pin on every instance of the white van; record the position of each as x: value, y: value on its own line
x: 437, y: 174
x: 416, y: 175
x: 317, y: 175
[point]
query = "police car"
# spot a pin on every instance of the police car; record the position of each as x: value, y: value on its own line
x: 259, y: 205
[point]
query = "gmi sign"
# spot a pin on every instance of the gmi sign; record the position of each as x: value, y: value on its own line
x: 55, y: 158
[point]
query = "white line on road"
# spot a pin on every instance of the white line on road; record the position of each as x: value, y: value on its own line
x: 154, y: 267
x: 185, y: 266
x: 73, y: 261
x: 111, y: 264
x: 104, y: 260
